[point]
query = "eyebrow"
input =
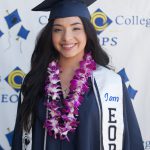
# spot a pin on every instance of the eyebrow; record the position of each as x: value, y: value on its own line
x: 70, y: 24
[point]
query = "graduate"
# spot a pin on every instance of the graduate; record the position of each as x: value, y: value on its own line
x: 71, y: 99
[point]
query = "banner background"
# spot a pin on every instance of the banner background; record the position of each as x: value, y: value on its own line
x: 124, y: 34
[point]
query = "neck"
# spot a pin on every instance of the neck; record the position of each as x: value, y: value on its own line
x: 71, y: 63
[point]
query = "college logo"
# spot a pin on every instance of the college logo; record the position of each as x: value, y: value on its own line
x: 100, y: 20
x: 132, y: 92
x: 132, y: 20
x: 15, y: 78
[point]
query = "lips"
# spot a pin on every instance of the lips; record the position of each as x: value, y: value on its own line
x: 68, y: 46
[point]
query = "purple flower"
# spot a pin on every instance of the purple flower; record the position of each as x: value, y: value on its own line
x: 62, y: 119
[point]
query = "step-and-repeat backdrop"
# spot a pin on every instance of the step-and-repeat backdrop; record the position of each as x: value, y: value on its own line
x: 123, y: 28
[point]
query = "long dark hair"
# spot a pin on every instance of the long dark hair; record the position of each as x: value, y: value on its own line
x: 44, y: 52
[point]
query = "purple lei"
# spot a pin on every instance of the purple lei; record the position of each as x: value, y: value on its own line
x: 62, y: 115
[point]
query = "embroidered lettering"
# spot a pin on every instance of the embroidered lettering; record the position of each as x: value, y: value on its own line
x: 112, y: 115
x: 112, y: 133
x: 112, y: 129
x: 112, y: 146
x: 111, y: 98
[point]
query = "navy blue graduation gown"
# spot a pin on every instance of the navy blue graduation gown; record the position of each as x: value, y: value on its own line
x: 87, y: 135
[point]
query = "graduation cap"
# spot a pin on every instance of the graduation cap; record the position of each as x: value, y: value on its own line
x: 9, y: 137
x: 65, y: 8
x: 123, y: 75
x: 23, y: 33
x: 132, y: 92
x: 12, y: 19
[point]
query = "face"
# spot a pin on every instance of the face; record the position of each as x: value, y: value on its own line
x: 68, y: 36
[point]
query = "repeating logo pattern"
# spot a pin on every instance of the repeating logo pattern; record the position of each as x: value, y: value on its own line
x: 132, y: 92
x: 13, y: 19
x: 15, y: 78
x: 9, y: 137
x: 100, y: 20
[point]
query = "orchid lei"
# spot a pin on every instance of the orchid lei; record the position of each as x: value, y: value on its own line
x: 62, y: 114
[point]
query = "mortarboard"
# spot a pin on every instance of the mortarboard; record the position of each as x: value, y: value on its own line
x: 65, y: 8
x: 12, y: 19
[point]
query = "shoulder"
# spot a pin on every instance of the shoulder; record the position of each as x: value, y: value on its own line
x: 107, y: 79
x: 105, y: 73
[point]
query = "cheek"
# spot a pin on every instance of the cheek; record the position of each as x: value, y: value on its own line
x: 56, y: 41
x: 83, y: 39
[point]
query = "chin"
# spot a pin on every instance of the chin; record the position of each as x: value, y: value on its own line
x: 71, y: 54
x: 68, y: 55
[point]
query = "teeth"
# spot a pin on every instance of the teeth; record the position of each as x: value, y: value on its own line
x: 68, y: 45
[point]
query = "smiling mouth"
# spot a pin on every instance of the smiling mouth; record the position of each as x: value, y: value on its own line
x: 68, y: 46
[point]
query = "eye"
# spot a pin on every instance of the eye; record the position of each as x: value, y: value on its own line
x: 57, y: 30
x: 76, y: 28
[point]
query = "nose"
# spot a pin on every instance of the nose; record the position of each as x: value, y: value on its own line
x: 67, y: 35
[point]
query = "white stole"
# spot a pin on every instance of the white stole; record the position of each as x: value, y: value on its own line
x: 109, y: 85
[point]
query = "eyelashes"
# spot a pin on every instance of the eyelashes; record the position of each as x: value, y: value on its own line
x: 57, y: 30
x: 76, y: 29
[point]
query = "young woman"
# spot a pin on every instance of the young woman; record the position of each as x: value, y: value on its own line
x: 70, y: 100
